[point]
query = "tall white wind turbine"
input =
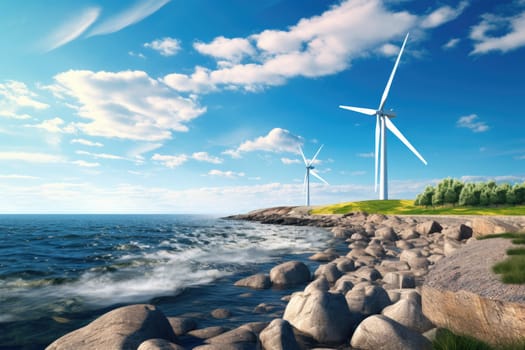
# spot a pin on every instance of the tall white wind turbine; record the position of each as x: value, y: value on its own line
x: 310, y: 170
x: 382, y: 121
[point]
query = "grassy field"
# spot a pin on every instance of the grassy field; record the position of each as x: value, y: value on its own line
x: 407, y: 207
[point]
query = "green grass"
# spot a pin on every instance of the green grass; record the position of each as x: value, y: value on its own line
x: 407, y: 207
x: 446, y: 340
x: 512, y: 269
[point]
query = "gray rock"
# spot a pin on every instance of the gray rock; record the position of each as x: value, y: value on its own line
x: 344, y: 284
x: 322, y: 315
x: 379, y: 332
x: 290, y: 273
x: 256, y: 327
x: 341, y: 232
x: 182, y: 325
x: 428, y: 227
x: 123, y: 328
x: 450, y: 246
x: 233, y: 346
x: 408, y: 233
x: 402, y: 279
x: 375, y: 250
x: 323, y: 256
x: 458, y: 233
x: 237, y: 335
x: 368, y: 300
x: 258, y: 281
x: 221, y: 313
x: 395, y: 265
x: 368, y: 273
x: 209, y: 332
x: 344, y: 264
x: 320, y: 283
x: 159, y: 344
x: 329, y: 271
x: 402, y: 244
x: 278, y: 336
x: 386, y: 233
x: 408, y: 313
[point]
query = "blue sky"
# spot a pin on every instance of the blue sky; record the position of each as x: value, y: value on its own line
x: 198, y: 106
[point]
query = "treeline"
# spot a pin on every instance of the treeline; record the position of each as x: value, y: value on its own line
x: 455, y: 192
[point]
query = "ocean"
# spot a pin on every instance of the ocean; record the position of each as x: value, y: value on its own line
x: 59, y: 272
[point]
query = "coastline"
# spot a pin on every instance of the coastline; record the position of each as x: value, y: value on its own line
x: 387, y: 260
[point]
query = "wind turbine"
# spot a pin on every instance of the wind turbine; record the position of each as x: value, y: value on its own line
x: 383, y: 121
x: 310, y: 170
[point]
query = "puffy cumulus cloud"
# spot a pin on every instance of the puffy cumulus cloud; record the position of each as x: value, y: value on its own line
x: 88, y: 143
x: 126, y: 104
x: 277, y: 140
x: 170, y: 161
x: 205, y: 157
x: 228, y: 49
x: 228, y: 174
x: 443, y: 15
x: 15, y: 97
x: 165, y: 46
x: 389, y: 50
x: 472, y: 122
x: 54, y: 125
x: 513, y: 38
x: 313, y: 47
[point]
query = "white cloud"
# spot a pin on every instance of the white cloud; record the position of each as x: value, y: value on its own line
x: 452, y: 43
x: 165, y: 46
x: 126, y: 104
x: 170, y: 161
x: 136, y: 54
x: 389, y: 50
x: 229, y: 174
x: 15, y: 97
x: 499, y: 178
x: 513, y: 38
x: 100, y: 155
x: 140, y: 149
x: 71, y: 29
x: 205, y: 157
x: 134, y: 14
x: 278, y: 141
x: 87, y: 143
x: 233, y: 50
x: 443, y: 15
x: 53, y: 126
x: 84, y: 164
x: 31, y: 157
x: 289, y: 161
x: 471, y: 122
x: 18, y: 177
x: 316, y: 46
x: 366, y: 155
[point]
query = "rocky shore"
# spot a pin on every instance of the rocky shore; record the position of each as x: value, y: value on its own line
x: 401, y: 279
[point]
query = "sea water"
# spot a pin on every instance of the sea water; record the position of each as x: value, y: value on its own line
x: 59, y: 272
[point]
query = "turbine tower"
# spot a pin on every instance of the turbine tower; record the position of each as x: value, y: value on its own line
x: 310, y: 170
x: 383, y: 121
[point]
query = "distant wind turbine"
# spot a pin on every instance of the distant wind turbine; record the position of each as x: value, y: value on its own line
x: 382, y: 121
x: 310, y: 170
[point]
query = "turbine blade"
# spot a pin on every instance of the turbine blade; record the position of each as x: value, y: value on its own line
x: 367, y: 111
x: 376, y: 169
x: 315, y: 157
x: 403, y: 139
x: 314, y: 173
x: 304, y: 182
x: 302, y: 154
x: 387, y: 87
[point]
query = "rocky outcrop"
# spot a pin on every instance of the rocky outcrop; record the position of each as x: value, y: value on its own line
x: 290, y: 273
x: 322, y: 315
x: 488, y: 226
x: 379, y: 332
x: 278, y: 336
x: 257, y: 281
x: 123, y: 328
x: 461, y: 293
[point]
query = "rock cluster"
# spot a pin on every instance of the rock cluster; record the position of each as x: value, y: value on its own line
x: 367, y: 299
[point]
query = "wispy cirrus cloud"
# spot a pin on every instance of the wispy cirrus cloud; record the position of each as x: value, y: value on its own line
x: 70, y: 30
x: 452, y: 43
x: 472, y: 122
x: 84, y: 164
x: 485, y: 41
x: 443, y: 15
x: 100, y: 155
x: 205, y: 157
x: 277, y: 141
x: 18, y: 177
x: 88, y: 143
x: 289, y: 161
x: 128, y: 17
x: 366, y: 155
x: 16, y: 98
x: 54, y: 125
x: 31, y: 157
x: 228, y: 174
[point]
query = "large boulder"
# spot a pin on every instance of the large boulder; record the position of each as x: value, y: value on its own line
x: 367, y: 300
x: 322, y: 315
x: 257, y: 281
x: 484, y: 226
x: 278, y: 336
x: 290, y: 273
x: 182, y: 325
x: 159, y: 344
x: 458, y: 232
x: 462, y: 293
x: 428, y: 227
x: 408, y: 313
x: 379, y: 332
x: 241, y: 336
x: 329, y: 271
x: 123, y: 328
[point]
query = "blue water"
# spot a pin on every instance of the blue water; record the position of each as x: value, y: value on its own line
x: 58, y: 272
